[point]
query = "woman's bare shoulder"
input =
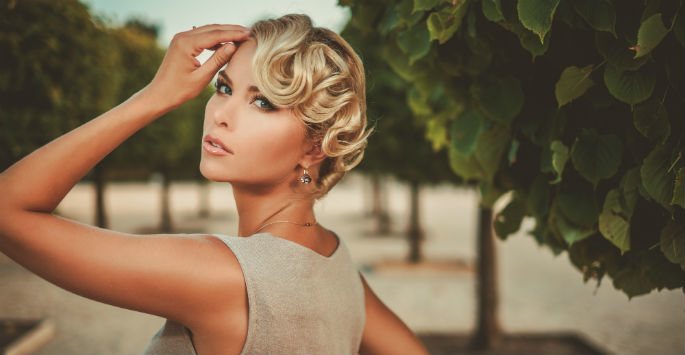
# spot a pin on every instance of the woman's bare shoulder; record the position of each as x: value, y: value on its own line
x: 229, y: 293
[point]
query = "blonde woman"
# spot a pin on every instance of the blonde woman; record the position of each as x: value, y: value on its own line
x: 287, y: 121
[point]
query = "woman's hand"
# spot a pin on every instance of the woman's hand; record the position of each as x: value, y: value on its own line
x: 181, y: 77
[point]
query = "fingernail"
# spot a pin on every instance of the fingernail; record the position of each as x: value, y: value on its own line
x: 229, y: 47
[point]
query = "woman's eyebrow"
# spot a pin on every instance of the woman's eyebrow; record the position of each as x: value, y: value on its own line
x: 222, y: 73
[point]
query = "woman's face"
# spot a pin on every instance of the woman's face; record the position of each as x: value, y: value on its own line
x: 265, y: 143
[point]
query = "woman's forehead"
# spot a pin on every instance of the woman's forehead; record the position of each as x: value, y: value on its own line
x: 239, y: 68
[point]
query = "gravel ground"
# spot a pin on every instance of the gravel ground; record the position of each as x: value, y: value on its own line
x: 538, y: 291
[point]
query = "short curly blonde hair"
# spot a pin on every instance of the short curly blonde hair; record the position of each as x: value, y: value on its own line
x: 317, y: 74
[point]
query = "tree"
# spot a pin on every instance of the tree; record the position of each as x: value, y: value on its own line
x: 62, y: 73
x: 162, y: 146
x: 398, y: 146
x: 572, y: 108
x: 54, y: 50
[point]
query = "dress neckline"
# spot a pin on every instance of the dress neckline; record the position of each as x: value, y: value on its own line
x: 290, y: 242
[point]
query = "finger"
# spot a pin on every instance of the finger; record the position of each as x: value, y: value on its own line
x: 212, y: 27
x: 217, y: 60
x: 213, y: 38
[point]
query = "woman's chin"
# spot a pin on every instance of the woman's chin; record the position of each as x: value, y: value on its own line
x: 212, y: 174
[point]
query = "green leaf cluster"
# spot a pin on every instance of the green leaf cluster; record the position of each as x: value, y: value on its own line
x: 574, y: 107
x: 67, y: 67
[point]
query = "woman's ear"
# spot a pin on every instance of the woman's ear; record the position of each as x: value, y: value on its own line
x: 314, y: 154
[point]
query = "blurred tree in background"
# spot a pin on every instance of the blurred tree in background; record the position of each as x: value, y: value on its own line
x: 397, y: 147
x: 69, y: 67
x: 60, y: 72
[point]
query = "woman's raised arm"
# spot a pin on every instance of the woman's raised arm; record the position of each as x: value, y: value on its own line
x: 116, y: 268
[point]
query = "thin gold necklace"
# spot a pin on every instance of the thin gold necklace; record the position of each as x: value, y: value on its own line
x: 307, y: 224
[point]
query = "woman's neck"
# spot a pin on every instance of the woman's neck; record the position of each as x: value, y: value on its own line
x: 257, y: 208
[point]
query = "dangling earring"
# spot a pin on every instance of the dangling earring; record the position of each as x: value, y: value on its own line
x: 305, y: 178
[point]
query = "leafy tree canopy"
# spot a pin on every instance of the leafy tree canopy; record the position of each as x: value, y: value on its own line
x: 574, y: 106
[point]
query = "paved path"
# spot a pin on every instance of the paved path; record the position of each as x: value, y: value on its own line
x: 539, y: 292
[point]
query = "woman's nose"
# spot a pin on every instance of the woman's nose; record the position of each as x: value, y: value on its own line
x: 223, y: 114
x: 221, y: 121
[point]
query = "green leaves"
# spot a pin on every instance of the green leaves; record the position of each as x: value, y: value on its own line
x: 574, y: 213
x: 617, y: 52
x: 632, y: 280
x: 571, y: 233
x: 492, y: 9
x: 656, y: 179
x: 559, y: 158
x: 465, y: 165
x: 530, y: 40
x: 465, y: 131
x: 650, y: 34
x: 651, y: 120
x: 501, y: 99
x: 490, y: 147
x: 400, y: 63
x: 673, y: 243
x: 423, y: 5
x: 488, y: 99
x: 679, y: 26
x: 537, y: 199
x: 578, y: 205
x: 508, y: 221
x: 414, y: 42
x: 596, y: 156
x: 630, y: 86
x: 614, y: 221
x: 537, y: 15
x: 679, y: 189
x: 443, y: 24
x: 572, y: 84
x: 599, y: 14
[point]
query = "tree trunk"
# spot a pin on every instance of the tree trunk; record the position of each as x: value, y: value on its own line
x: 203, y: 199
x: 99, y: 185
x: 379, y: 206
x: 414, y: 232
x: 165, y: 224
x: 488, y: 330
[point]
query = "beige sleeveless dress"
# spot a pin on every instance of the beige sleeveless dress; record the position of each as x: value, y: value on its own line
x: 300, y: 302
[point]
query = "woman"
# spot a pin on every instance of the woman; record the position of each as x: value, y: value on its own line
x: 285, y: 124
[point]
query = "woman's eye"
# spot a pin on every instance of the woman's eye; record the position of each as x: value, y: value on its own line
x: 223, y: 88
x: 263, y: 104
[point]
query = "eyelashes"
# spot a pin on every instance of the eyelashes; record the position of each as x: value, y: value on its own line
x: 218, y: 84
x: 260, y: 101
x: 266, y: 105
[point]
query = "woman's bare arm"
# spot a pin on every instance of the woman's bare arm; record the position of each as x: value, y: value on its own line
x: 153, y: 274
x: 384, y: 332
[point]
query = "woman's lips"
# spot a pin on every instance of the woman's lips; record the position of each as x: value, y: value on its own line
x: 215, y: 146
x: 214, y: 150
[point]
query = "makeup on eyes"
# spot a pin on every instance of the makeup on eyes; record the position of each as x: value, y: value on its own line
x: 223, y: 80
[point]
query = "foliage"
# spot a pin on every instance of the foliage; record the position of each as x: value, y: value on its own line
x: 58, y: 73
x: 68, y: 67
x: 171, y: 144
x: 397, y: 146
x: 575, y: 107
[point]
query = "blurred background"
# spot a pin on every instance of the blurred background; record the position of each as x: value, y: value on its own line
x: 461, y: 216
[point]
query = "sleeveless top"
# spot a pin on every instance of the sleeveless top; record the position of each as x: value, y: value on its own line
x: 300, y: 302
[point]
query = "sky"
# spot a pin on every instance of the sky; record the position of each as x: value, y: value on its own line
x: 177, y: 16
